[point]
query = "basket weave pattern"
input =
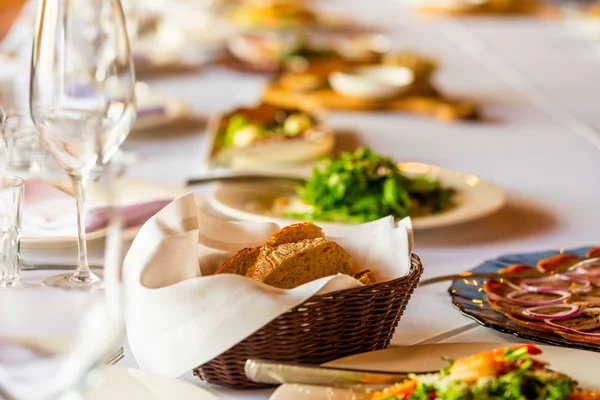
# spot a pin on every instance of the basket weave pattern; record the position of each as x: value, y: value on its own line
x: 322, y: 329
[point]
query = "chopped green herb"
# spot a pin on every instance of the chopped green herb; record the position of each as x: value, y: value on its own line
x: 364, y: 186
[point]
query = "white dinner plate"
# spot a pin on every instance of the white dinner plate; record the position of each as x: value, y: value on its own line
x: 130, y: 192
x: 157, y: 109
x: 428, y: 358
x: 475, y: 198
x: 119, y: 383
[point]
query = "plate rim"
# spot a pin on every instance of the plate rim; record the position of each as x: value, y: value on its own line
x: 70, y: 241
x: 126, y: 371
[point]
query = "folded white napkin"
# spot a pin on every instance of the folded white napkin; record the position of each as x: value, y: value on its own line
x: 179, y: 316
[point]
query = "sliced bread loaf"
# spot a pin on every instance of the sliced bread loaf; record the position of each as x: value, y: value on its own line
x: 295, y: 233
x: 240, y: 262
x: 293, y: 264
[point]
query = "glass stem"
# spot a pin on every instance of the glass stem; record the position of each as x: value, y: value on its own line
x: 83, y: 268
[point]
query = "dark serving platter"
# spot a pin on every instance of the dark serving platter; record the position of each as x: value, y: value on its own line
x: 469, y: 299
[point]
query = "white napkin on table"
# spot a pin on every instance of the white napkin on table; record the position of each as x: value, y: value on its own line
x: 179, y: 316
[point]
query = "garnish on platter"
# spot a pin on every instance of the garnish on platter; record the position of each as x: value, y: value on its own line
x: 566, y: 303
x: 476, y: 7
x: 361, y: 187
x: 504, y: 374
x: 340, y: 84
x: 267, y: 135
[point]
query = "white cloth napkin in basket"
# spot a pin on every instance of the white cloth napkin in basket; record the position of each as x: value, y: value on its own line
x: 178, y: 316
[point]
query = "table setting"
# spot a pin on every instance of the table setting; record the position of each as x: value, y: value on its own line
x: 295, y: 199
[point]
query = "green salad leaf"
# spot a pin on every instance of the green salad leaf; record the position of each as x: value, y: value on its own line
x: 363, y: 186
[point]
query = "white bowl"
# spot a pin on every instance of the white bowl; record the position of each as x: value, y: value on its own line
x: 375, y: 82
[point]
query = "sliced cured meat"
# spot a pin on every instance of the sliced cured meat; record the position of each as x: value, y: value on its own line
x: 593, y: 253
x: 576, y: 337
x: 517, y: 269
x: 582, y: 322
x: 531, y: 324
x: 560, y: 262
x: 497, y: 290
x: 586, y: 299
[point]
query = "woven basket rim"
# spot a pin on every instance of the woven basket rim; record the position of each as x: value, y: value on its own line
x: 411, y: 271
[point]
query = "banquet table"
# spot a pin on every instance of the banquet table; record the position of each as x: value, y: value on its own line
x: 538, y: 82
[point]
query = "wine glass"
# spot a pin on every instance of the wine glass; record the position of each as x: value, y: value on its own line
x: 52, y: 342
x: 82, y: 98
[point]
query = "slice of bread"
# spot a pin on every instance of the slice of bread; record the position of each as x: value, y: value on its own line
x: 240, y: 262
x: 293, y: 264
x: 295, y: 233
x: 366, y: 277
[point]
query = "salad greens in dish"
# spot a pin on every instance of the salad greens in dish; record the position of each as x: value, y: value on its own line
x: 503, y: 374
x: 248, y: 126
x: 364, y: 186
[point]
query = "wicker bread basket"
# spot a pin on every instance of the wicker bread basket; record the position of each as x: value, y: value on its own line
x: 322, y: 329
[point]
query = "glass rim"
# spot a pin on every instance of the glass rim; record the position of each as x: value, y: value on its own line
x: 15, y: 183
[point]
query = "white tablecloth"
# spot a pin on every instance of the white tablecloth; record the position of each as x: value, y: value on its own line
x: 539, y: 85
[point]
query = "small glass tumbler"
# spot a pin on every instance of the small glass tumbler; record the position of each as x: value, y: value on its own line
x: 11, y: 200
x: 24, y: 149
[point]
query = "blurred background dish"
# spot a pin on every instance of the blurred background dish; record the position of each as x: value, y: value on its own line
x: 267, y: 137
x: 459, y: 7
x: 273, y: 49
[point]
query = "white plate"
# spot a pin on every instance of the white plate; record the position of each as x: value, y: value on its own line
x: 173, y: 108
x: 130, y: 192
x: 475, y: 198
x: 427, y: 358
x: 119, y: 383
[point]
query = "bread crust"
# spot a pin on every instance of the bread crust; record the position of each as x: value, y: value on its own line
x: 240, y: 262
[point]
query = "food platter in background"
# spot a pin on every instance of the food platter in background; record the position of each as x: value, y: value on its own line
x: 475, y: 198
x: 471, y: 301
x: 264, y: 137
x: 429, y: 357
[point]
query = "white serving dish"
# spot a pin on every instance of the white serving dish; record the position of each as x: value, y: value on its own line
x: 377, y: 82
x: 475, y: 198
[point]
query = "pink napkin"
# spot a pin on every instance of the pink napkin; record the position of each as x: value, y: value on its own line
x: 50, y: 212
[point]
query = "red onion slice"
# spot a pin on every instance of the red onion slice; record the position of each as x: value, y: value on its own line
x: 584, y: 268
x: 515, y: 287
x: 570, y: 310
x: 570, y: 330
x: 591, y: 310
x: 562, y: 296
x: 528, y: 284
x: 572, y: 276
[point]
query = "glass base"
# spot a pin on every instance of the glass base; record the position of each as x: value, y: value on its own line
x: 92, y: 283
x: 4, y: 284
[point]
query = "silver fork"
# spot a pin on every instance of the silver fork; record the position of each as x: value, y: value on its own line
x: 114, y: 357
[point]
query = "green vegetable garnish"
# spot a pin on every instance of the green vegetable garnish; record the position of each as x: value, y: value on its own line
x: 240, y: 132
x: 364, y: 186
x: 236, y: 122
